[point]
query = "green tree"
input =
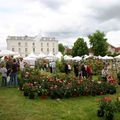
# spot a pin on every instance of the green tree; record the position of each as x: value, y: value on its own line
x: 80, y: 47
x: 61, y: 48
x: 98, y: 42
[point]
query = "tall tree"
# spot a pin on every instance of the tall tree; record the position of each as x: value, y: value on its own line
x: 61, y: 48
x: 80, y: 47
x: 98, y: 43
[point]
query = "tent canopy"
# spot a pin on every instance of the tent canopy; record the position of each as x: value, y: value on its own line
x: 41, y: 55
x: 32, y: 55
x: 77, y: 58
x: 7, y: 53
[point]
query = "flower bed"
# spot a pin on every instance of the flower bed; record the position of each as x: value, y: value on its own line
x: 62, y: 86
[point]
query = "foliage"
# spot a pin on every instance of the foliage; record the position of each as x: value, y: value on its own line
x: 98, y: 43
x: 62, y: 85
x: 80, y: 48
x: 96, y: 65
x: 61, y: 48
x: 107, y: 107
x: 60, y: 65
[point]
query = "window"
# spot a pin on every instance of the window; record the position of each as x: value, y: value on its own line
x: 13, y: 49
x: 33, y: 49
x: 26, y: 44
x: 25, y: 49
x: 48, y: 50
x: 41, y: 44
x: 47, y: 44
x: 33, y: 44
x: 41, y: 49
x: 19, y: 44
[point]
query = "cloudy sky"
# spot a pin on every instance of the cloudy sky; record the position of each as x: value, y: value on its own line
x: 64, y: 19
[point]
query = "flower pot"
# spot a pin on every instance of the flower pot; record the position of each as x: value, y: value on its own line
x: 100, y: 113
x: 32, y: 95
x: 26, y: 93
x: 43, y: 96
x: 109, y: 116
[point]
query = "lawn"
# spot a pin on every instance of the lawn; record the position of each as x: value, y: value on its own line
x: 14, y: 106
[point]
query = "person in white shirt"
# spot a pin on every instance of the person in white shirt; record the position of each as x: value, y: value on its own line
x: 104, y: 74
x: 3, y: 70
x: 22, y: 64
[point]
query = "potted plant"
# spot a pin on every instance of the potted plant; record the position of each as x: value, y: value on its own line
x: 100, y: 112
x: 106, y: 108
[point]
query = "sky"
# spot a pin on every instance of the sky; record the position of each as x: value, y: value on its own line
x: 66, y: 20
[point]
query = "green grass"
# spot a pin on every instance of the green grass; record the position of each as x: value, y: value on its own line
x: 14, y: 106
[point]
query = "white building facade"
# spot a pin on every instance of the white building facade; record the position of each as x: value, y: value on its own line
x: 25, y: 45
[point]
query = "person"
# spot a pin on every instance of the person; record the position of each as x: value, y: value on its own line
x: 50, y: 66
x: 118, y: 75
x: 66, y: 68
x: 3, y: 70
x: 69, y: 68
x: 89, y: 72
x: 14, y: 73
x: 22, y: 64
x: 104, y: 74
x: 53, y: 66
x: 83, y: 71
x: 9, y: 65
x: 76, y: 69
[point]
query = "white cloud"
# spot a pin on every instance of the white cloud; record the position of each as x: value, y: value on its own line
x: 113, y: 38
x: 64, y: 19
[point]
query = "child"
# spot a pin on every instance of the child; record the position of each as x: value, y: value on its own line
x: 3, y: 70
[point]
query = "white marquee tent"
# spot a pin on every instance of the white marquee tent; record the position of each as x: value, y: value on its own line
x: 7, y: 53
x: 41, y: 55
x: 58, y: 55
x: 107, y: 58
x: 32, y: 55
x: 66, y: 57
x: 77, y: 58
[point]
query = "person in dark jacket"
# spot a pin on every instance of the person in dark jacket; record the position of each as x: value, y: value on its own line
x: 14, y: 74
x: 66, y: 68
x: 76, y: 69
x: 83, y: 71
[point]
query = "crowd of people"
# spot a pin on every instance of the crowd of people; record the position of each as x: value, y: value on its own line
x: 80, y: 70
x: 9, y: 69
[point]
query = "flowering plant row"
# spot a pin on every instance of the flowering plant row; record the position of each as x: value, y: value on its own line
x: 107, y: 107
x: 61, y: 86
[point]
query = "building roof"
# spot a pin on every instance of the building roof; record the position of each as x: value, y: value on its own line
x: 20, y: 38
x: 36, y: 38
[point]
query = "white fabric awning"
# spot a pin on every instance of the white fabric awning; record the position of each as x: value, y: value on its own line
x: 7, y: 53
